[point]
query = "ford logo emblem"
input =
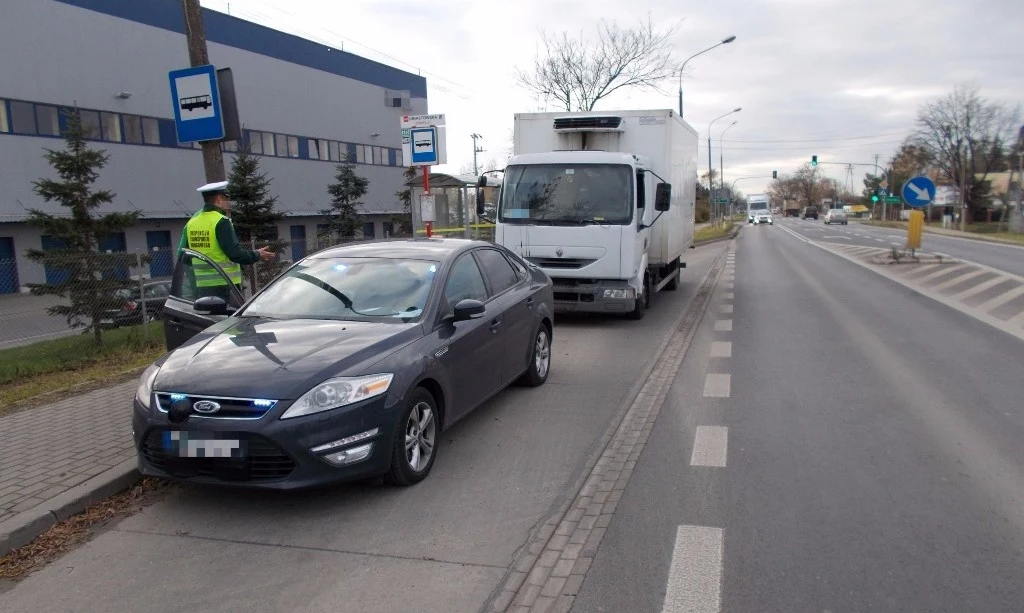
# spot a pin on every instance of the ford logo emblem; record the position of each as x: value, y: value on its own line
x: 206, y: 406
x: 559, y: 252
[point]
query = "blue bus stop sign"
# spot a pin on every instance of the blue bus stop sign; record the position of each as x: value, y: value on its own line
x: 918, y: 192
x: 196, y: 102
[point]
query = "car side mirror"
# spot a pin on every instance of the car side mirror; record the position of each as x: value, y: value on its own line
x: 211, y: 305
x: 663, y: 197
x: 468, y: 309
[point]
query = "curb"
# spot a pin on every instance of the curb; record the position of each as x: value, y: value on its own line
x: 24, y: 527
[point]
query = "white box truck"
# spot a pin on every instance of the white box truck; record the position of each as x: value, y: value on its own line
x: 603, y: 202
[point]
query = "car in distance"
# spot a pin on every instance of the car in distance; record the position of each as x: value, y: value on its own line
x: 762, y: 216
x: 810, y: 212
x: 348, y: 365
x: 135, y: 307
x: 836, y: 216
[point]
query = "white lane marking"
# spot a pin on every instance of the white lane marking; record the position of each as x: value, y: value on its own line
x: 729, y: 286
x: 1000, y: 300
x: 938, y: 273
x: 723, y: 325
x: 1017, y: 320
x: 978, y: 289
x: 958, y: 279
x: 727, y: 308
x: 695, y: 576
x: 710, y: 446
x: 728, y: 295
x: 845, y: 238
x: 717, y: 385
x: 721, y: 349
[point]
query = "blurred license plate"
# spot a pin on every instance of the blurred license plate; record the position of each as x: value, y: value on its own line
x: 198, y: 445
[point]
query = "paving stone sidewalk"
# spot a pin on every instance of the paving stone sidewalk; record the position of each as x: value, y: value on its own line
x: 59, y: 457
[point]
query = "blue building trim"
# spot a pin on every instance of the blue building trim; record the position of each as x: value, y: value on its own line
x: 241, y: 34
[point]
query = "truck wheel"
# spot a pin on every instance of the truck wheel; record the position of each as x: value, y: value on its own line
x: 644, y: 302
x: 673, y: 285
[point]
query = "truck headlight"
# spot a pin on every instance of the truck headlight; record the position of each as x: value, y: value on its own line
x: 619, y: 293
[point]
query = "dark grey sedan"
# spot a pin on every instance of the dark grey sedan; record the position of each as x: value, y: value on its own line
x: 346, y: 366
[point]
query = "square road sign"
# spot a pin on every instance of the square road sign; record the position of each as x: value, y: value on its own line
x: 196, y: 102
x: 424, y: 146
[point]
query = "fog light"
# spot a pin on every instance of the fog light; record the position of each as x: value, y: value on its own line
x: 349, y: 456
x: 348, y: 440
x: 618, y: 293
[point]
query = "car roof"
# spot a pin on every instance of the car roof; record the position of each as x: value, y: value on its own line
x: 411, y: 248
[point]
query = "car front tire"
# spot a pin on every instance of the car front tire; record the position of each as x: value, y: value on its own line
x: 415, y: 446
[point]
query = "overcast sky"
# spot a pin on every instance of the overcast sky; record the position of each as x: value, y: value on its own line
x: 838, y: 78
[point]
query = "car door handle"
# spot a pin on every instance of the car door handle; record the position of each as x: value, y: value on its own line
x: 529, y: 302
x: 175, y: 324
x: 495, y: 324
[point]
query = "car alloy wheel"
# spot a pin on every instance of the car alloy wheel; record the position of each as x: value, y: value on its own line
x: 415, y: 443
x: 540, y: 359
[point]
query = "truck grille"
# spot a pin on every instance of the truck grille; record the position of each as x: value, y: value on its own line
x: 562, y: 263
x: 263, y: 461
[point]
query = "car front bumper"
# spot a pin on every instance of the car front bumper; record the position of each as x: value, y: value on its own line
x: 266, y: 453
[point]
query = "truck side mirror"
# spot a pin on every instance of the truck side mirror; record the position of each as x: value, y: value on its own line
x: 482, y: 181
x: 480, y: 206
x: 663, y: 197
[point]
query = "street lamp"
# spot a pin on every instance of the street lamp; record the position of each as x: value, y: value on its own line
x: 723, y: 42
x: 711, y: 181
x: 721, y: 149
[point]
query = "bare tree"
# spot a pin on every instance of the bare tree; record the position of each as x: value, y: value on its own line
x: 965, y: 137
x: 807, y: 182
x: 578, y: 72
x: 782, y: 190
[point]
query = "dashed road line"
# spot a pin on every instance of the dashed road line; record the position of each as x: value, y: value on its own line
x: 710, y: 446
x: 695, y: 576
x: 727, y: 308
x: 721, y: 349
x: 723, y: 325
x: 717, y: 385
x: 728, y: 295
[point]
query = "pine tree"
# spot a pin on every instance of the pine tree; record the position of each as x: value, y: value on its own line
x: 254, y: 214
x: 87, y: 279
x: 403, y: 222
x: 343, y: 216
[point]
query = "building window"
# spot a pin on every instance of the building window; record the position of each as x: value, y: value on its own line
x: 314, y: 149
x: 23, y: 118
x: 334, y: 153
x: 268, y: 143
x: 377, y: 156
x: 90, y: 124
x: 398, y: 158
x: 389, y: 229
x: 369, y: 230
x: 231, y: 146
x: 4, y: 125
x: 323, y: 149
x: 111, y: 127
x: 133, y: 129
x: 281, y: 142
x: 360, y: 154
x: 293, y: 146
x: 151, y: 131
x: 255, y: 142
x: 47, y: 120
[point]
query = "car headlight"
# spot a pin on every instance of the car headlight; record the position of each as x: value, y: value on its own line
x: 339, y: 392
x: 144, y: 393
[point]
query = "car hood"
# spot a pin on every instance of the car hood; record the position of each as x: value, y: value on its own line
x: 266, y: 358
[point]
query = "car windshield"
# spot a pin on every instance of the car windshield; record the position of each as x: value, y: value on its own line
x: 567, y: 194
x: 358, y: 289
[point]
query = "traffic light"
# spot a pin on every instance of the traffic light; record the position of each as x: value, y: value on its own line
x: 775, y: 174
x: 874, y: 197
x: 814, y: 160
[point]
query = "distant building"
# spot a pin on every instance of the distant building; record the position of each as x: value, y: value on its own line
x: 303, y: 105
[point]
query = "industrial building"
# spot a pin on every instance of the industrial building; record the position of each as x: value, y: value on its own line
x: 302, y: 105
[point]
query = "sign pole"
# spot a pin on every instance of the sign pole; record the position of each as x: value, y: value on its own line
x: 195, y: 35
x: 426, y: 191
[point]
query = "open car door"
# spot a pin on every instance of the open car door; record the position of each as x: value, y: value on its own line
x: 181, y: 319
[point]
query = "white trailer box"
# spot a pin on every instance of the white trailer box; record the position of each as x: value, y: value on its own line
x: 579, y: 200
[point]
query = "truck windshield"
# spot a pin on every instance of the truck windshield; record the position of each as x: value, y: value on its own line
x: 758, y: 206
x: 567, y: 193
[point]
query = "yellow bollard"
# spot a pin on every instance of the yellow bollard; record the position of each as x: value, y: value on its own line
x: 914, y: 229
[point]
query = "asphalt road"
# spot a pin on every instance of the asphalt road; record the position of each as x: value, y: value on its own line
x: 443, y: 545
x: 860, y: 449
x: 1008, y: 258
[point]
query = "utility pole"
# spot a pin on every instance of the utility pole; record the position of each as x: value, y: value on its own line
x: 476, y: 150
x: 195, y: 34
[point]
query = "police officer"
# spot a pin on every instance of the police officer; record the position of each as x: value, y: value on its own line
x: 211, y: 233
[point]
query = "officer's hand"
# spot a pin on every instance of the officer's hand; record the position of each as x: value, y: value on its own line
x: 265, y: 253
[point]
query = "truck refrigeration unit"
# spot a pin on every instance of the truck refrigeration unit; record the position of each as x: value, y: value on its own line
x: 603, y: 203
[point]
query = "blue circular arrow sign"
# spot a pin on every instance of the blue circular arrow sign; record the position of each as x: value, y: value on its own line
x: 918, y: 192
